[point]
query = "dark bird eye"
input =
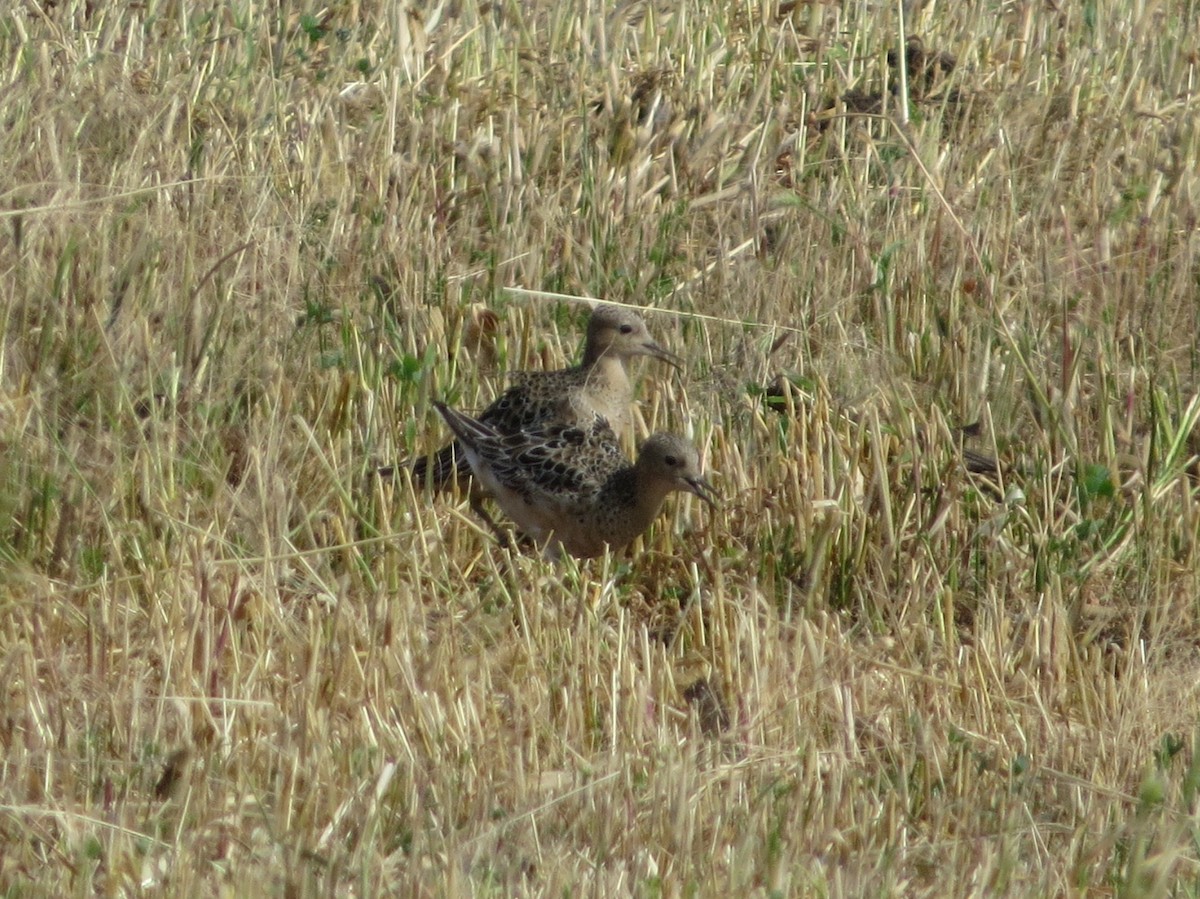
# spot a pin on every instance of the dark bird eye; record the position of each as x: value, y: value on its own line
x: 626, y: 329
x: 671, y: 460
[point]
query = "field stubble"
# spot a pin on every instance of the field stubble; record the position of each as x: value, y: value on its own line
x: 939, y: 639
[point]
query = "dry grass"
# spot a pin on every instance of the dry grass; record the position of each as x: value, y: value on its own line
x: 232, y: 661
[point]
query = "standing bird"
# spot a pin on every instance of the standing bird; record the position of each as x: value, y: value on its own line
x: 599, y: 385
x: 570, y: 487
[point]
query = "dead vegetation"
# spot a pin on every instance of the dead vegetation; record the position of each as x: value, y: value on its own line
x: 941, y: 637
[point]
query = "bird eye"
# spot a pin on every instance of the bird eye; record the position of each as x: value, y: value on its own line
x: 626, y: 329
x: 671, y: 460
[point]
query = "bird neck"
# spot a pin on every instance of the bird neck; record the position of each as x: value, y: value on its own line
x: 594, y: 356
x: 638, y: 498
x: 649, y: 493
x: 606, y: 369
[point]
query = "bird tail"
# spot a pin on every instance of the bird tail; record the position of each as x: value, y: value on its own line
x: 441, y: 468
x: 467, y: 429
x: 449, y: 464
x: 438, y: 469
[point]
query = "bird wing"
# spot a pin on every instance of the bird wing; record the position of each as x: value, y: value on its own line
x: 556, y: 462
x: 535, y: 398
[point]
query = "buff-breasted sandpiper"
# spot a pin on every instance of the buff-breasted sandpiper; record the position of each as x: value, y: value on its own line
x: 570, y: 487
x: 599, y: 385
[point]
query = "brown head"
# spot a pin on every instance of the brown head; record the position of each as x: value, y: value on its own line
x: 667, y: 463
x: 616, y: 331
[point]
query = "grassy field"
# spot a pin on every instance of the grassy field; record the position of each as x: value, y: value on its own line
x: 941, y: 637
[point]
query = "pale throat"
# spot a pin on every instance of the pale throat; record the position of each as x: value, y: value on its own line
x: 608, y: 369
x: 607, y: 379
